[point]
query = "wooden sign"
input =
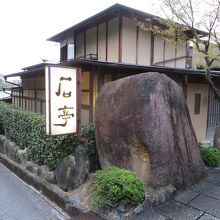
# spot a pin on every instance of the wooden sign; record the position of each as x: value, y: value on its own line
x: 61, y: 100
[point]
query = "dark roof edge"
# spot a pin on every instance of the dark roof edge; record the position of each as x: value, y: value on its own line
x: 86, y: 21
x: 105, y: 12
x: 78, y: 62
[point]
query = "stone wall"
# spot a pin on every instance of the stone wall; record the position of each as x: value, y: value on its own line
x: 70, y: 173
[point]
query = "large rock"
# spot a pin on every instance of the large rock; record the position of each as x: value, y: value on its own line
x: 143, y: 124
x: 72, y: 171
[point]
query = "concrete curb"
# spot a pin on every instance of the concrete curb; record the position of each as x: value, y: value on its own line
x: 52, y: 192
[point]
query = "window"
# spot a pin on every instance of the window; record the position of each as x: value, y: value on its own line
x: 70, y: 51
x: 197, y: 104
x: 67, y: 52
x: 63, y: 53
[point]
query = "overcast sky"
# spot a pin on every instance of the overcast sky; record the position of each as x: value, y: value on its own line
x: 26, y: 24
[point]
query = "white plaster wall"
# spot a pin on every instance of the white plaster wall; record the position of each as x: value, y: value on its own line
x: 144, y: 47
x: 181, y: 51
x: 102, y: 42
x: 158, y: 49
x: 199, y: 121
x: 113, y: 39
x: 169, y: 54
x: 80, y: 45
x: 129, y: 30
x: 91, y: 41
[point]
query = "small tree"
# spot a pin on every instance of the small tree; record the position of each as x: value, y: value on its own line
x: 183, y: 19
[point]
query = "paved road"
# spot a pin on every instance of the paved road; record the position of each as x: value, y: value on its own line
x: 200, y: 202
x: 19, y: 202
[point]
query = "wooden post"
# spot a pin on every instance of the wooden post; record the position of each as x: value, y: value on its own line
x: 78, y: 95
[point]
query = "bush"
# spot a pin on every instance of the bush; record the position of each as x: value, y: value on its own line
x: 113, y: 185
x: 88, y: 130
x: 28, y: 129
x: 210, y: 156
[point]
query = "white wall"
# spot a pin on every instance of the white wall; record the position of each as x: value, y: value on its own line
x: 144, y: 47
x: 91, y: 41
x: 131, y: 52
x: 113, y: 39
x: 129, y: 30
x: 79, y: 45
x: 102, y: 42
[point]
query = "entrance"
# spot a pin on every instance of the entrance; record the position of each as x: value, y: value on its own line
x: 213, y: 115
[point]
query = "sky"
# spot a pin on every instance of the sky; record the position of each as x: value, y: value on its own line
x: 26, y: 24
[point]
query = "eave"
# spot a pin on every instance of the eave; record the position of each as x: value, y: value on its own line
x: 39, y: 68
x: 115, y: 9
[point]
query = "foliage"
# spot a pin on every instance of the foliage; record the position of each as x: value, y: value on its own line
x: 182, y: 19
x: 27, y: 129
x: 89, y: 146
x: 88, y: 130
x: 211, y: 156
x: 113, y: 185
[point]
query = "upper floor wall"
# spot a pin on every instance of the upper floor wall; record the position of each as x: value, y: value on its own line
x: 121, y: 40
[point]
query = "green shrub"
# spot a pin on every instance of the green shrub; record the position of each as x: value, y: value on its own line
x: 89, y: 146
x: 28, y: 129
x: 113, y: 185
x: 88, y: 130
x: 210, y: 156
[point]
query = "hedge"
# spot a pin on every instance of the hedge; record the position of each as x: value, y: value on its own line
x: 28, y: 129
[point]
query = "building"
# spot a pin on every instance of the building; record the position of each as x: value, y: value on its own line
x: 110, y: 45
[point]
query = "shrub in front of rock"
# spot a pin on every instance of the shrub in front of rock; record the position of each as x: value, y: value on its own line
x: 211, y: 156
x: 114, y: 185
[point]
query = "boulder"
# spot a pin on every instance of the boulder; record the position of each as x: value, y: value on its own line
x: 32, y: 167
x: 143, y: 124
x: 72, y: 171
x: 45, y: 173
x: 11, y: 149
x: 50, y: 177
x: 216, y: 142
x: 22, y: 156
x: 2, y: 141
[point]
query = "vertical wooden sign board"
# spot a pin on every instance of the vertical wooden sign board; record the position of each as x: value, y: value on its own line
x: 61, y: 100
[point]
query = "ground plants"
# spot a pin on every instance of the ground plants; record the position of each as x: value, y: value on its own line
x: 114, y: 185
x: 211, y: 156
